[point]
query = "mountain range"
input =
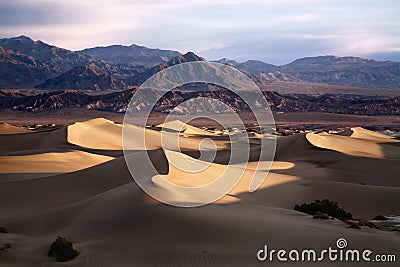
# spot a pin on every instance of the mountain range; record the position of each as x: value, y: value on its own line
x: 26, y: 64
x: 333, y: 70
x: 133, y: 54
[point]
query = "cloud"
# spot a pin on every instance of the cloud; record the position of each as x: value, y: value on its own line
x: 39, y: 13
x: 276, y: 31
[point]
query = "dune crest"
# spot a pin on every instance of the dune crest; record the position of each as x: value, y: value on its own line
x: 364, y: 134
x: 187, y: 129
x: 97, y: 134
x: 353, y: 146
x: 53, y: 162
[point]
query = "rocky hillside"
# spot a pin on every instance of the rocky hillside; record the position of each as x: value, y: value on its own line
x: 18, y: 70
x: 349, y: 71
x: 51, y: 61
x: 118, y: 101
x: 138, y: 79
x: 84, y: 78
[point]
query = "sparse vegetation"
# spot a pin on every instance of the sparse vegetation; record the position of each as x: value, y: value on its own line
x: 327, y: 209
x: 5, y: 247
x: 322, y: 216
x: 355, y: 226
x: 324, y: 206
x: 368, y: 224
x: 62, y: 250
x: 380, y: 218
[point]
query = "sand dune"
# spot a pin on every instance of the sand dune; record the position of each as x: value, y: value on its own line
x: 97, y: 133
x: 364, y: 134
x: 96, y: 203
x: 6, y: 128
x: 61, y: 161
x: 104, y: 134
x: 53, y: 139
x: 353, y: 146
x: 175, y: 125
x: 179, y: 126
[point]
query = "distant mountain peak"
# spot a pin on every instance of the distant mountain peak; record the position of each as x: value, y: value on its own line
x: 193, y: 55
x: 227, y: 61
x: 21, y: 38
x: 133, y: 54
x: 188, y: 57
x: 328, y: 59
x: 140, y: 78
x: 248, y: 67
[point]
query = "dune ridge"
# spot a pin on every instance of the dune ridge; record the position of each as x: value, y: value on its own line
x: 6, y: 128
x: 354, y: 145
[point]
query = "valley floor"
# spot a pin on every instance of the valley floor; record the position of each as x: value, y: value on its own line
x: 292, y: 120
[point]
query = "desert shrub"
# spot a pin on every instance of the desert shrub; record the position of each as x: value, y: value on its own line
x: 5, y: 247
x: 380, y: 218
x: 322, y: 216
x: 368, y: 223
x: 62, y: 250
x: 3, y: 230
x: 324, y: 206
x: 354, y: 226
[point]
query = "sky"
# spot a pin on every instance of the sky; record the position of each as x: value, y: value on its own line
x: 274, y: 31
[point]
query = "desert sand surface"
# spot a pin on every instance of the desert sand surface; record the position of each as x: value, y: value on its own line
x: 6, y: 128
x: 73, y: 181
x: 43, y: 163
